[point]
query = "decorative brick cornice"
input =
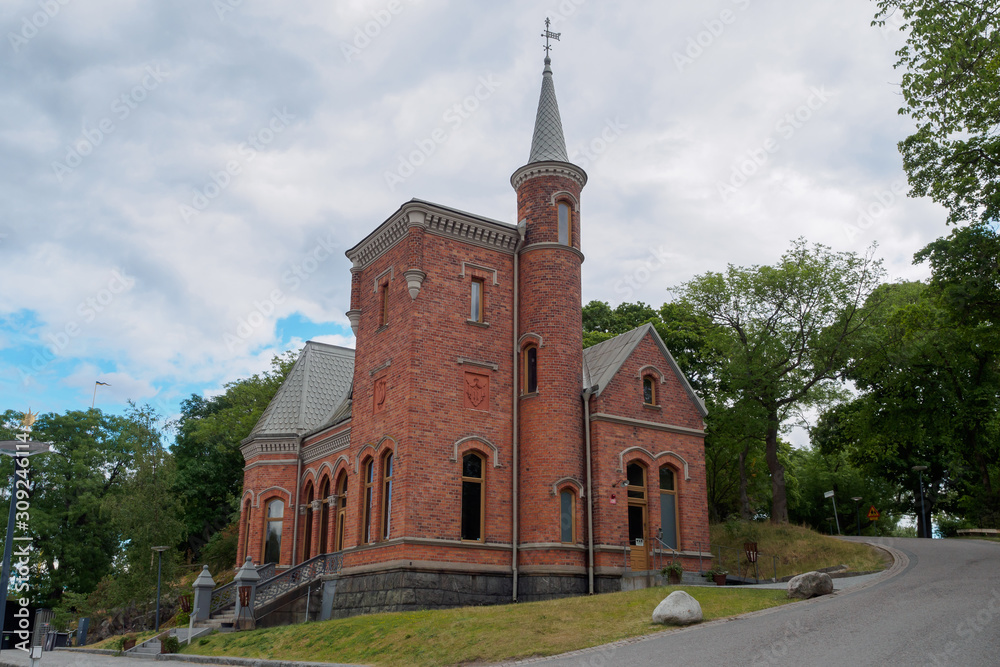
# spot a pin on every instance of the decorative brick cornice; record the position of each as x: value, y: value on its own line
x: 546, y: 245
x: 326, y: 446
x: 434, y: 219
x: 534, y: 169
x: 255, y: 448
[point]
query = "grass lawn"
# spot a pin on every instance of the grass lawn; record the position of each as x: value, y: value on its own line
x: 988, y: 538
x: 487, y: 634
x: 798, y: 549
x: 107, y: 643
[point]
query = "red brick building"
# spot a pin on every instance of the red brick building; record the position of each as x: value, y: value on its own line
x: 469, y: 450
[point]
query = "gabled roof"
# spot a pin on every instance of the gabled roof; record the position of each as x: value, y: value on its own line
x: 602, y: 362
x: 314, y: 392
x: 548, y: 142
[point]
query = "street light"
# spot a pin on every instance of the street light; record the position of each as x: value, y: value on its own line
x: 15, y: 448
x: 159, y: 572
x: 857, y: 511
x: 923, y: 515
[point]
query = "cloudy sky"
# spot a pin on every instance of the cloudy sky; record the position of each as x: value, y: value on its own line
x: 180, y: 180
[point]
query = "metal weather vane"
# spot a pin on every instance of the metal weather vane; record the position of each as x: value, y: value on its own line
x: 547, y: 34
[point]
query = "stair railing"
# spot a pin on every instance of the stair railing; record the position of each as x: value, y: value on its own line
x: 295, y: 577
x: 225, y: 596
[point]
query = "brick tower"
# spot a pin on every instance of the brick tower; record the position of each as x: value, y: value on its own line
x: 549, y: 344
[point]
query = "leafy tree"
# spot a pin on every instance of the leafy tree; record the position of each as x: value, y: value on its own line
x: 207, y: 449
x: 785, y: 333
x: 951, y: 63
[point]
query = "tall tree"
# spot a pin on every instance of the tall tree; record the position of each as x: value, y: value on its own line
x: 785, y: 332
x: 951, y: 63
x: 207, y: 449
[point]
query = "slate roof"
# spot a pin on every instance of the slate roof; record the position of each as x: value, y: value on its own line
x: 602, y: 362
x: 315, y: 391
x: 548, y: 142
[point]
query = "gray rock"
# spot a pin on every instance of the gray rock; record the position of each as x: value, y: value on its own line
x: 678, y: 608
x: 810, y: 585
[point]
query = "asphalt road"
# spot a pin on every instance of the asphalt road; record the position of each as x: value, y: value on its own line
x: 941, y: 608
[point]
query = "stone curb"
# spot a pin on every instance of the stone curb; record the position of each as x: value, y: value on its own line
x: 208, y: 659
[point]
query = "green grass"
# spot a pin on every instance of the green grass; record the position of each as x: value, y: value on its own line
x: 988, y: 538
x: 107, y: 643
x: 479, y: 634
x: 798, y: 549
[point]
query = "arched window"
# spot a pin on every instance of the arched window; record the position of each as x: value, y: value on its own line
x: 473, y: 508
x: 567, y: 516
x: 530, y: 375
x: 338, y: 535
x: 272, y: 531
x: 368, y: 472
x: 637, y: 520
x: 308, y: 528
x: 324, y: 517
x: 565, y: 224
x: 668, y: 506
x: 649, y: 390
x: 387, y: 463
x: 247, y: 508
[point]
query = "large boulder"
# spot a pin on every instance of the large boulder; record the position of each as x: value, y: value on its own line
x: 678, y: 608
x: 810, y: 585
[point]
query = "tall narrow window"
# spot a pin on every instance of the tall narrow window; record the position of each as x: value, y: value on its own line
x: 246, y: 530
x: 565, y: 226
x: 338, y: 535
x: 307, y: 531
x: 324, y: 517
x: 369, y: 477
x: 383, y: 304
x: 272, y: 532
x: 386, y: 495
x: 477, y: 300
x: 472, y: 497
x: 567, y: 516
x: 668, y: 507
x: 648, y: 390
x: 530, y: 369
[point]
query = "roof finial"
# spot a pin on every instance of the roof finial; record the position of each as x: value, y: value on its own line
x: 547, y: 34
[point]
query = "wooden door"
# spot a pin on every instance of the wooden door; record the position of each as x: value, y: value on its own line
x: 638, y: 523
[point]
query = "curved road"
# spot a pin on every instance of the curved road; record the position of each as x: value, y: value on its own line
x: 939, y: 605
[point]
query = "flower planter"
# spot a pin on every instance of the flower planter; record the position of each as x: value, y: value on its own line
x: 673, y: 578
x: 720, y: 579
x: 128, y: 644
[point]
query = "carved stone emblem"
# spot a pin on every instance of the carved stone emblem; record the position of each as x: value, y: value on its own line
x: 380, y: 390
x: 477, y: 391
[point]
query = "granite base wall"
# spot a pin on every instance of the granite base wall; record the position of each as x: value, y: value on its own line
x: 408, y: 590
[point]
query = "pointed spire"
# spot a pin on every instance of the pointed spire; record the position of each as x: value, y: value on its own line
x: 548, y: 142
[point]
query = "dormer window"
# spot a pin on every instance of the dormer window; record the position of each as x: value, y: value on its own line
x: 565, y: 225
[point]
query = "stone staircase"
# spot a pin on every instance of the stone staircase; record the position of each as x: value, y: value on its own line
x: 151, y: 647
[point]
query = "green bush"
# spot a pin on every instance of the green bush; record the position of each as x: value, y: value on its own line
x: 171, y: 644
x: 219, y: 553
x: 950, y: 525
x: 182, y: 619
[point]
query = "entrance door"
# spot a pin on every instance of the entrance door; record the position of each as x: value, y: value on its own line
x: 637, y: 523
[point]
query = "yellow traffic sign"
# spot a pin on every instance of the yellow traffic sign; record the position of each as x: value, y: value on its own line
x: 873, y: 514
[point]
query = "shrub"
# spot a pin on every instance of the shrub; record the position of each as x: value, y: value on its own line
x: 219, y: 553
x: 182, y: 619
x: 171, y: 644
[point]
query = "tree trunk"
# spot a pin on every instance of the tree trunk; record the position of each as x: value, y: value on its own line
x: 779, y: 502
x: 744, y: 499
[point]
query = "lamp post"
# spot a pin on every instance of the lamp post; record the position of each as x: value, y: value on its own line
x: 19, y: 449
x: 923, y: 515
x: 857, y: 511
x: 159, y: 571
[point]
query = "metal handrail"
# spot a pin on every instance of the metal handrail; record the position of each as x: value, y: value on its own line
x: 225, y: 595
x: 739, y: 554
x: 657, y: 554
x: 294, y: 577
